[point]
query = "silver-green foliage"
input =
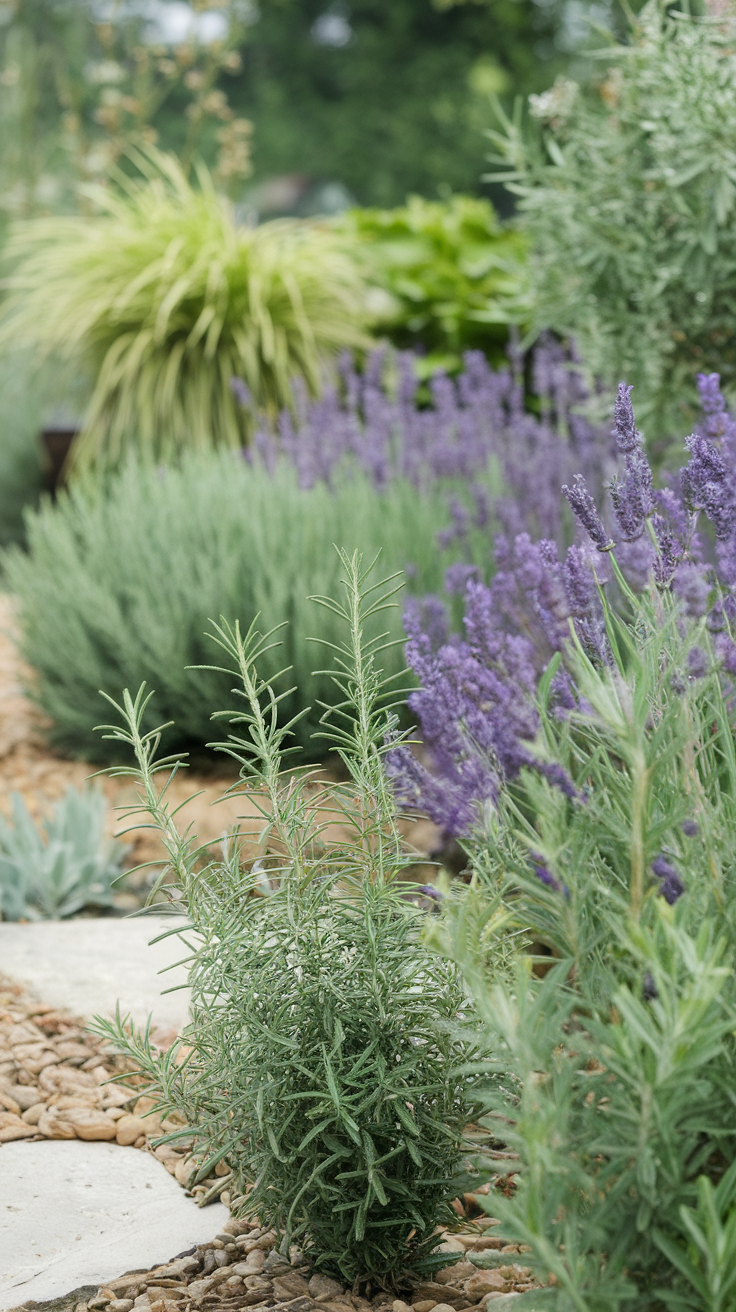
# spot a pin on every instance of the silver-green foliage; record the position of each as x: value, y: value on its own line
x: 118, y: 585
x: 628, y: 192
x: 326, y: 1068
x: 67, y: 864
x: 615, y: 1071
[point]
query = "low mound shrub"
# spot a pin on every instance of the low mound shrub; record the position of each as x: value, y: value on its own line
x: 594, y: 787
x: 323, y: 1062
x: 120, y: 579
x: 163, y: 298
x: 66, y: 865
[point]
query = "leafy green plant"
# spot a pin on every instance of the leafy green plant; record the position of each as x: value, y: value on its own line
x: 626, y: 194
x: 118, y: 583
x: 68, y: 864
x: 325, y: 1067
x: 165, y: 299
x: 447, y: 276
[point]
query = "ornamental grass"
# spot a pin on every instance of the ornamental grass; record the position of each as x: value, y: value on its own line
x: 164, y: 298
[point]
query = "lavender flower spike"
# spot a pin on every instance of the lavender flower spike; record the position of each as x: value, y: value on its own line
x: 624, y: 425
x: 585, y: 511
x: 671, y: 886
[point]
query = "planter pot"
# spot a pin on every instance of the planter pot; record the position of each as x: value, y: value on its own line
x: 56, y: 443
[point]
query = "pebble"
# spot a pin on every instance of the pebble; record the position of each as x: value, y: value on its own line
x: 290, y: 1286
x: 90, y: 1124
x: 486, y: 1282
x: 129, y: 1128
x: 324, y: 1286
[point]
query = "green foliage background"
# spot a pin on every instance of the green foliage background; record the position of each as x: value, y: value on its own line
x: 454, y: 277
x: 627, y: 192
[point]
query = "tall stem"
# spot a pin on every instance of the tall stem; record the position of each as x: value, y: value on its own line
x: 640, y: 782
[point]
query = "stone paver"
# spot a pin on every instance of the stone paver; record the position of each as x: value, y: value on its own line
x: 74, y: 1214
x: 88, y: 965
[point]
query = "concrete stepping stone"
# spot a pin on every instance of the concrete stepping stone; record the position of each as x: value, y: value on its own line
x: 75, y: 1214
x: 87, y: 965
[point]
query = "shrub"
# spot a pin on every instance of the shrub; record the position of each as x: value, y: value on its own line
x: 120, y: 586
x: 164, y: 299
x: 324, y: 1065
x: 69, y: 865
x: 598, y: 807
x: 448, y: 277
x: 119, y: 583
x: 626, y: 195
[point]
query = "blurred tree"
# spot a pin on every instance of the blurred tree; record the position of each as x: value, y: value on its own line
x: 389, y: 96
x: 81, y: 81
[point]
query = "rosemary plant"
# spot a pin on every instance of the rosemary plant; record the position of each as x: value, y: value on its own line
x: 324, y: 1065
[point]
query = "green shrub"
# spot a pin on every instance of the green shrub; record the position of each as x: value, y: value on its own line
x: 626, y: 194
x: 325, y: 1066
x: 70, y: 864
x: 165, y: 300
x: 447, y: 277
x: 615, y: 1070
x: 118, y: 586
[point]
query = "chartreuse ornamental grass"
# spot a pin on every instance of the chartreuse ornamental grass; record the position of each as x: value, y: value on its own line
x: 164, y: 298
x: 326, y: 1067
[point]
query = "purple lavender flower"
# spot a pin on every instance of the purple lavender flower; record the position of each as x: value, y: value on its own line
x: 671, y: 886
x: 697, y: 663
x: 690, y: 828
x: 241, y: 392
x: 714, y: 406
x: 579, y: 582
x: 632, y: 495
x: 649, y: 990
x: 459, y: 575
x: 584, y: 508
x: 544, y: 874
x: 726, y: 653
x: 706, y: 486
x: 624, y: 424
x: 691, y: 586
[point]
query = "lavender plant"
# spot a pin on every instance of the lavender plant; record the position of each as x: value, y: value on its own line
x: 590, y: 767
x: 325, y: 1067
x: 120, y: 579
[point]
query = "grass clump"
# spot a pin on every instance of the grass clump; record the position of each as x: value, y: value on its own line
x: 164, y: 299
x: 325, y: 1065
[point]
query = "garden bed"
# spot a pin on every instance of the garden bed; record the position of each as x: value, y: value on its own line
x: 54, y: 1085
